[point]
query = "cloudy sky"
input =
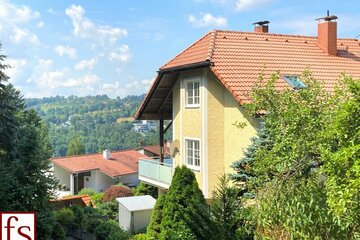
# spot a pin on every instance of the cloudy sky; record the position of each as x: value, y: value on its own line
x: 115, y: 47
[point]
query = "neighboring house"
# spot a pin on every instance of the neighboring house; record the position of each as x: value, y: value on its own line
x: 154, y: 150
x: 97, y: 171
x: 203, y: 89
x: 144, y: 126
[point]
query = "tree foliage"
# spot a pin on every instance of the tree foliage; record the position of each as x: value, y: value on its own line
x: 146, y: 189
x: 114, y: 192
x: 225, y: 209
x: 26, y: 182
x: 75, y: 147
x: 307, y: 177
x: 185, y: 214
x: 154, y: 228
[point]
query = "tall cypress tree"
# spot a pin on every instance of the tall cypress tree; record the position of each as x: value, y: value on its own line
x: 185, y: 214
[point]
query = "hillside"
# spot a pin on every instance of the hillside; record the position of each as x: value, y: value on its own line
x: 101, y: 122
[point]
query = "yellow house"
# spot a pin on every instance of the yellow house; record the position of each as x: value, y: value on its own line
x: 202, y: 91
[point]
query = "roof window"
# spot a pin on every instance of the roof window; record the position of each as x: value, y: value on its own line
x: 294, y: 81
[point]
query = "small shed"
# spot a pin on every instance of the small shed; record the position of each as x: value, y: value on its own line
x: 135, y: 212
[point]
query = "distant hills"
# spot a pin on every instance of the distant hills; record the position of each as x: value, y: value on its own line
x: 101, y: 122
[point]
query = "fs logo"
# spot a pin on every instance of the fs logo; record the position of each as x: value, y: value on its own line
x: 17, y: 226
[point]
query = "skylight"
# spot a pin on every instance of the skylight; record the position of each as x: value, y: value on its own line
x: 294, y: 81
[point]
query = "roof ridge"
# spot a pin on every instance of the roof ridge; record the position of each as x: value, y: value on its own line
x: 187, y: 49
x: 211, y: 48
x: 92, y: 154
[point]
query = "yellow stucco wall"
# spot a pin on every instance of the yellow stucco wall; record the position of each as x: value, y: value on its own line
x: 187, y: 121
x: 222, y: 143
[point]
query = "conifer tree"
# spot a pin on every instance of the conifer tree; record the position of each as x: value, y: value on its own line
x: 26, y: 183
x: 185, y: 214
x: 244, y: 173
x: 75, y: 147
x: 154, y: 228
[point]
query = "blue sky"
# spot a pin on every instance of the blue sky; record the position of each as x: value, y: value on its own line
x: 116, y: 47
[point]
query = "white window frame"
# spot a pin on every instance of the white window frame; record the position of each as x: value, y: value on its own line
x: 192, y: 166
x: 192, y: 105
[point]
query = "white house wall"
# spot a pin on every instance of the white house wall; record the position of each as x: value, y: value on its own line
x: 130, y: 179
x: 101, y: 181
x: 62, y: 175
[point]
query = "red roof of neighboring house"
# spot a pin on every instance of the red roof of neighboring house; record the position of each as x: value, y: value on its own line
x: 155, y: 149
x: 120, y: 163
x: 82, y: 201
x: 237, y: 59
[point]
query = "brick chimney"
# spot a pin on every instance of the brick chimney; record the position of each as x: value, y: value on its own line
x: 327, y: 34
x: 261, y: 27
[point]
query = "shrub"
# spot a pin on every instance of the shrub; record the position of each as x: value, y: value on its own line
x: 90, y: 223
x: 153, y: 229
x: 141, y: 236
x: 185, y: 214
x: 87, y: 191
x: 146, y: 189
x: 110, y: 209
x: 110, y: 230
x: 66, y: 217
x: 116, y: 191
x: 97, y: 198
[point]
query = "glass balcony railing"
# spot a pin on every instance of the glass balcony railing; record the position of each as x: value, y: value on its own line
x: 156, y: 173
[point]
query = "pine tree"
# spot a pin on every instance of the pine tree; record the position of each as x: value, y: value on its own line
x: 26, y: 183
x: 244, y: 167
x: 185, y: 214
x: 225, y: 209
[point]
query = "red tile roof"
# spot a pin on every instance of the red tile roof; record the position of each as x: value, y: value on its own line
x: 82, y: 201
x: 155, y: 149
x: 237, y: 58
x: 120, y: 163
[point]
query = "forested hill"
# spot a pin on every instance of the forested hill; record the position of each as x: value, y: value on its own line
x: 99, y: 121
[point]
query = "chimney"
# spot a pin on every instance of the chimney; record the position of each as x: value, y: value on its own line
x: 327, y: 34
x: 106, y: 154
x: 261, y: 27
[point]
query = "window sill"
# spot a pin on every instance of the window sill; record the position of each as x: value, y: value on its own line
x: 193, y: 106
x: 194, y: 168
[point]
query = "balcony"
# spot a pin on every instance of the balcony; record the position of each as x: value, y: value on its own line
x: 158, y: 174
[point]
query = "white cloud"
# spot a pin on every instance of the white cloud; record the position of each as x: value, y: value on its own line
x: 135, y: 87
x: 121, y: 54
x: 65, y: 50
x: 12, y: 19
x: 85, y: 28
x: 45, y: 77
x: 40, y: 24
x: 242, y: 5
x: 16, y: 66
x: 83, y: 64
x: 206, y: 20
x: 23, y: 35
x: 16, y: 14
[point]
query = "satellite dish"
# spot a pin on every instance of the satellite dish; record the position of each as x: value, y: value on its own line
x: 175, y: 147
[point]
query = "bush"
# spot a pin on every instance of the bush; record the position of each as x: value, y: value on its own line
x: 110, y: 209
x: 154, y: 227
x: 185, y: 214
x: 146, y: 189
x: 116, y: 191
x: 110, y: 230
x: 87, y: 191
x: 97, y: 198
x: 66, y: 217
x: 141, y: 236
